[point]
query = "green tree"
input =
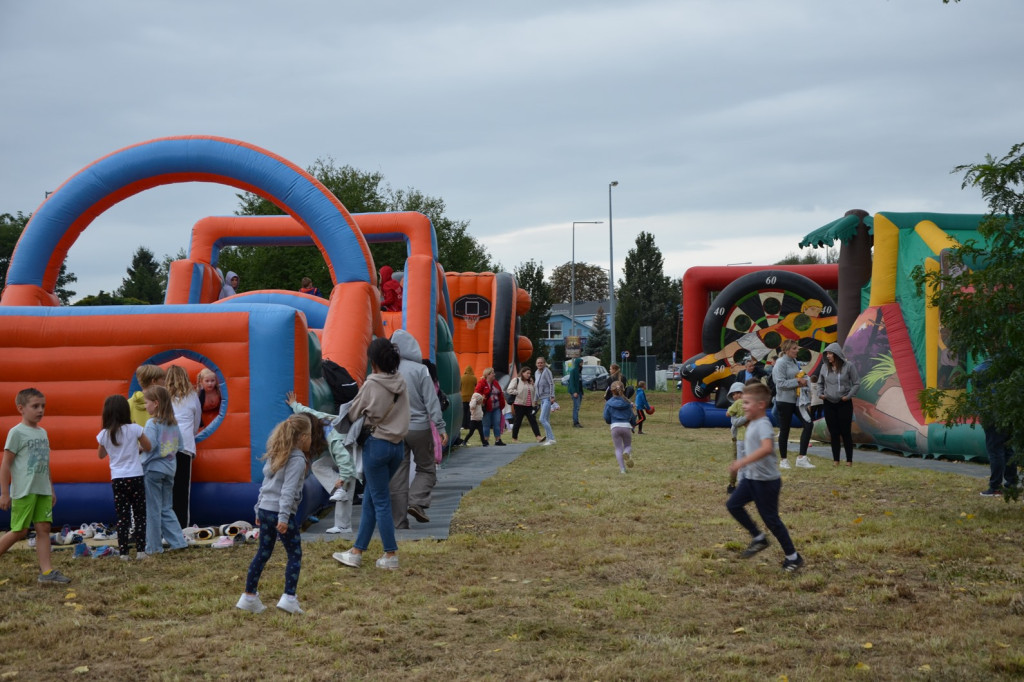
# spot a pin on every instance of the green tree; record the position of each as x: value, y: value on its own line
x: 599, y: 340
x: 103, y: 298
x: 646, y: 297
x: 812, y: 257
x: 360, y: 192
x: 143, y: 280
x: 591, y: 283
x: 11, y: 227
x: 980, y: 297
x: 530, y: 277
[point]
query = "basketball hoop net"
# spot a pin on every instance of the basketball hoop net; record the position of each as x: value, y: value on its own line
x: 471, y: 321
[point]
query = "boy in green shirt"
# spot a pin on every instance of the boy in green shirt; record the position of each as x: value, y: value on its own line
x: 25, y: 487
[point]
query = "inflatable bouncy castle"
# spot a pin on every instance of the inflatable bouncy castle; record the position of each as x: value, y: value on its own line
x: 895, y: 339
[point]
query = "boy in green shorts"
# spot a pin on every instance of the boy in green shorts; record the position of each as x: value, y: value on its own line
x: 25, y: 487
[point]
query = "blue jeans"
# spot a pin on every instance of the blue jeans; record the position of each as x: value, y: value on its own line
x: 1000, y: 460
x: 545, y: 417
x: 292, y: 541
x: 492, y: 421
x: 161, y: 522
x: 576, y: 400
x: 765, y: 496
x: 381, y: 459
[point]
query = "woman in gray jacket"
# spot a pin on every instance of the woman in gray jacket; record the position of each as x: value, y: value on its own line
x: 789, y: 379
x: 839, y: 383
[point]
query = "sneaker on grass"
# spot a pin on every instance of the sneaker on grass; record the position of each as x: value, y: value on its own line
x: 793, y: 564
x: 754, y: 547
x: 804, y: 463
x: 784, y: 464
x: 992, y: 493
x: 349, y: 558
x: 250, y: 603
x: 629, y: 459
x: 289, y: 603
x: 54, y: 577
x: 389, y: 563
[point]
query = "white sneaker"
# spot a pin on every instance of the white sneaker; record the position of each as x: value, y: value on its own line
x: 349, y: 558
x: 339, y: 495
x: 784, y: 464
x: 388, y: 562
x: 333, y: 530
x: 251, y: 603
x: 804, y: 463
x: 289, y: 603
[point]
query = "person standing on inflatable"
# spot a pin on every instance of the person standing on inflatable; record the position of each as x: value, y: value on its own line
x: 391, y: 291
x: 230, y: 287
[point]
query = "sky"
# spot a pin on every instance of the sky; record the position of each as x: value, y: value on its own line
x: 733, y: 127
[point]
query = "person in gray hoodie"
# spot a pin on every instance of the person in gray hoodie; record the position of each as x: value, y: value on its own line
x: 413, y: 499
x: 839, y: 382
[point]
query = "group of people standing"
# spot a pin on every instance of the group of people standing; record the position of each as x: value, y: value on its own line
x: 530, y: 397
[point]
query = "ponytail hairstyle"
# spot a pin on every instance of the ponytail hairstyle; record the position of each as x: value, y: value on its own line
x: 164, y: 410
x: 177, y: 384
x: 115, y: 415
x: 285, y: 438
x: 383, y: 355
x: 616, y: 388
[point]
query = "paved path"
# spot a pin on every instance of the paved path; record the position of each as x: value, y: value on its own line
x: 467, y: 467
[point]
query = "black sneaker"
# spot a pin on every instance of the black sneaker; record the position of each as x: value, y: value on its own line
x: 992, y: 493
x: 498, y: 442
x: 793, y: 564
x: 730, y: 489
x: 754, y: 547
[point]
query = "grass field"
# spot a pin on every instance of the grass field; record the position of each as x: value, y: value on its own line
x: 560, y: 568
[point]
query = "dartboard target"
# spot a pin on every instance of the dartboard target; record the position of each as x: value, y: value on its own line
x: 757, y: 312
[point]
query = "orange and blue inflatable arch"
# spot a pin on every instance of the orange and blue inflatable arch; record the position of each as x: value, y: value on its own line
x: 29, y: 315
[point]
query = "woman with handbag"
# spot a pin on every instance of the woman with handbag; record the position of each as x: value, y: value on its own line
x: 524, y: 404
x: 384, y: 404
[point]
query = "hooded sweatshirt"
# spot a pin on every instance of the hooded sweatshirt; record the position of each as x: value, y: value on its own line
x: 618, y: 410
x: 784, y: 374
x: 468, y: 384
x: 282, y: 489
x: 424, y: 407
x: 837, y: 385
x: 384, y: 401
x: 227, y: 289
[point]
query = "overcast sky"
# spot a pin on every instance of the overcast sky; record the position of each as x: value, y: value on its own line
x: 733, y: 127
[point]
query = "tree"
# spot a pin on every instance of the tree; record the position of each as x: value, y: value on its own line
x: 360, y: 192
x: 591, y: 283
x: 11, y: 228
x: 103, y: 298
x: 143, y: 280
x: 530, y: 277
x: 980, y: 297
x: 646, y: 297
x: 599, y: 340
x: 811, y: 257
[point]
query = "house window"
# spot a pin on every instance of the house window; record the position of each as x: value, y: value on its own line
x: 553, y: 332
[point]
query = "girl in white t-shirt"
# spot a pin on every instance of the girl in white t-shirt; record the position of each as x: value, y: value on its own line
x: 121, y: 439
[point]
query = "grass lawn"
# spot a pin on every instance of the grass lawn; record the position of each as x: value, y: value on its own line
x: 559, y: 567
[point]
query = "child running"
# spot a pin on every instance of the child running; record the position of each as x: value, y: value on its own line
x: 761, y: 480
x: 121, y: 439
x: 619, y: 413
x: 286, y: 463
x: 739, y: 428
x: 643, y: 408
x: 158, y: 466
x: 25, y: 487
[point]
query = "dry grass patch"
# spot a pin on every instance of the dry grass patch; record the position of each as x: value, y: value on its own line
x: 561, y: 568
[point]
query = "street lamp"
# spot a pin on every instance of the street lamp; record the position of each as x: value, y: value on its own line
x: 611, y: 269
x: 572, y: 286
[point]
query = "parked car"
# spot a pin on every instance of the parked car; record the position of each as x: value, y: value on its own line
x: 595, y: 378
x: 673, y: 372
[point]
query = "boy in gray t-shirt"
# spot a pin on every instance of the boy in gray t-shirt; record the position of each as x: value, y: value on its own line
x: 761, y: 481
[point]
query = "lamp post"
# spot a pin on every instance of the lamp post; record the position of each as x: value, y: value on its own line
x: 611, y: 269
x: 572, y: 285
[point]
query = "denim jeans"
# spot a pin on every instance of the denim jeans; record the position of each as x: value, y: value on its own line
x: 544, y: 417
x: 576, y: 400
x: 492, y: 421
x: 381, y: 459
x: 765, y: 496
x: 161, y: 522
x: 1000, y: 460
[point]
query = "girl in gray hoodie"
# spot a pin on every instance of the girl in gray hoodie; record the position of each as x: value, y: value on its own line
x: 839, y: 383
x: 284, y: 472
